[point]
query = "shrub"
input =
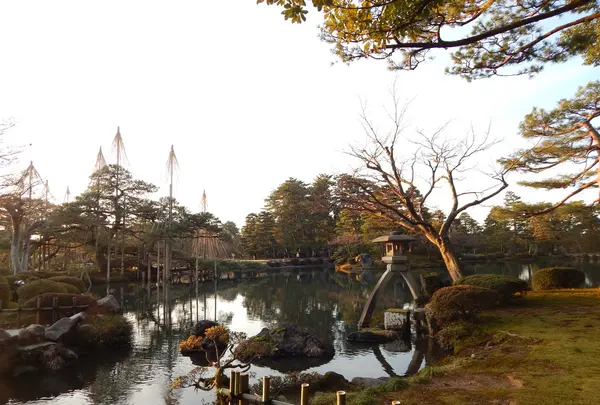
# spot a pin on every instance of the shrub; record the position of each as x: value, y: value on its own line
x: 4, y: 295
x: 39, y: 287
x: 103, y: 332
x: 45, y: 274
x: 430, y: 283
x: 20, y: 277
x: 459, y: 302
x: 557, y: 277
x: 74, y: 281
x: 71, y: 289
x: 505, y: 286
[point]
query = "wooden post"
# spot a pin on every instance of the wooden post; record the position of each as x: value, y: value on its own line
x: 238, y: 388
x: 236, y: 382
x: 244, y: 387
x: 19, y: 313
x: 304, y: 394
x: 266, y: 387
x: 0, y: 304
x: 231, y: 384
x: 38, y: 304
x: 341, y: 398
x: 54, y: 309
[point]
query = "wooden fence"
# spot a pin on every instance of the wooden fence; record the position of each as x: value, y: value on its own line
x: 239, y: 392
x: 55, y: 308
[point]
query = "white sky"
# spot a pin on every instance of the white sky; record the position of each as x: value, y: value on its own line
x: 246, y: 98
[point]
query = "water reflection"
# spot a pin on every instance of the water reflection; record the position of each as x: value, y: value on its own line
x: 327, y: 303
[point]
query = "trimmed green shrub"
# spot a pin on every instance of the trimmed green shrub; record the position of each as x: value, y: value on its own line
x: 557, y: 277
x: 71, y: 289
x: 74, y: 281
x: 39, y: 287
x: 45, y: 274
x: 507, y: 287
x: 459, y: 303
x: 20, y: 277
x: 430, y: 283
x: 4, y: 295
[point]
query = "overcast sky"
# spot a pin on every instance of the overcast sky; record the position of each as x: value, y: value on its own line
x: 246, y: 98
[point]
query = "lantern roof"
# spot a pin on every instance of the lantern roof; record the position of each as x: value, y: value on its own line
x: 395, y: 236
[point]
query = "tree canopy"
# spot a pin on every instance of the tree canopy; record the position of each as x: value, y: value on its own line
x: 488, y: 37
x: 566, y: 144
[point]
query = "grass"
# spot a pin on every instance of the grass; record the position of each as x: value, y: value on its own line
x: 541, y: 350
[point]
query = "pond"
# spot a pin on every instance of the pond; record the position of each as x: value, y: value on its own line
x: 329, y: 303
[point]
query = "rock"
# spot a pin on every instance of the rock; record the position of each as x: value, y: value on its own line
x: 63, y: 327
x: 57, y: 357
x: 199, y: 329
x: 109, y: 305
x: 286, y: 340
x: 32, y: 334
x: 333, y: 382
x: 373, y: 336
x: 9, y: 351
x: 397, y: 319
x: 369, y: 382
x: 20, y: 370
x: 4, y: 335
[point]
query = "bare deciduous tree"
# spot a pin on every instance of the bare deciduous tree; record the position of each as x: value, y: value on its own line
x: 398, y: 185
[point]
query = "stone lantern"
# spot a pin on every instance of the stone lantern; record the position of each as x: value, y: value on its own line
x: 396, y: 246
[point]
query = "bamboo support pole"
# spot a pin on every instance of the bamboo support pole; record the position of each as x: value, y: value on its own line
x: 236, y: 383
x: 244, y: 387
x: 341, y: 398
x: 266, y: 387
x: 231, y: 382
x: 304, y: 394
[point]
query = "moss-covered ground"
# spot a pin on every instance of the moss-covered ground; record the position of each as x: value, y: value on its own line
x: 542, y: 350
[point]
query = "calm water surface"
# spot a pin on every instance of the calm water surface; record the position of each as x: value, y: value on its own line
x: 326, y: 302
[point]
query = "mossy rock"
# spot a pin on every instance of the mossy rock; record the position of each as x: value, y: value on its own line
x: 285, y: 340
x: 104, y: 332
x: 557, y: 277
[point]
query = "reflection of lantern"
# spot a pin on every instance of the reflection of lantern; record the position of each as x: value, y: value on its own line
x: 396, y: 246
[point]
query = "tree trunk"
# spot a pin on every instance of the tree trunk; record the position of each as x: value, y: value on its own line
x: 25, y: 253
x: 450, y: 259
x: 15, y: 257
